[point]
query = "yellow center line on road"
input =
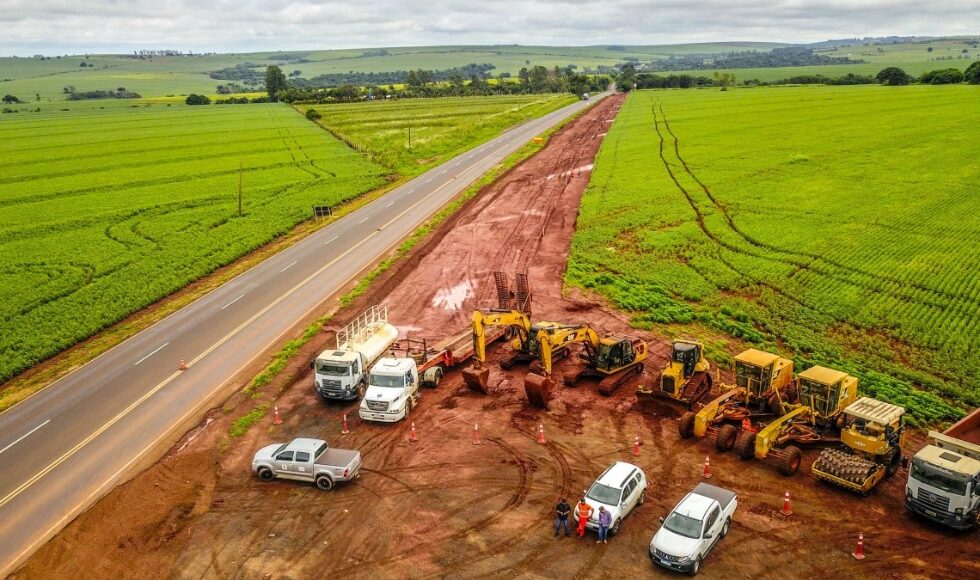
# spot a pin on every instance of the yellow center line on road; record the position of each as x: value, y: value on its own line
x: 68, y: 454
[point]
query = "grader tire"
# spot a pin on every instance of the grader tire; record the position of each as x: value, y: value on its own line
x: 726, y: 437
x: 894, y: 461
x: 685, y: 426
x: 745, y: 445
x: 789, y: 460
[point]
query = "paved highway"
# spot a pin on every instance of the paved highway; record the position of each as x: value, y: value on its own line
x: 68, y: 445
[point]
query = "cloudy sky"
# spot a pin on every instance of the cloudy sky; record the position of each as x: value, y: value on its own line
x: 74, y: 26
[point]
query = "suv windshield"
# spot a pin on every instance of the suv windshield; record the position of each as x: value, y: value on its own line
x: 604, y: 494
x: 333, y: 369
x: 396, y: 381
x: 683, y: 525
x: 928, y: 476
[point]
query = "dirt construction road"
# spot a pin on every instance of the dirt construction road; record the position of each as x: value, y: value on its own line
x: 446, y: 507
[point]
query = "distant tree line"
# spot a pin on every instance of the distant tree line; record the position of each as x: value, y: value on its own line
x: 777, y: 57
x: 120, y: 93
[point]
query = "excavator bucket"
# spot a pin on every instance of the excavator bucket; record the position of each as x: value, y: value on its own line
x: 539, y: 389
x: 477, y: 379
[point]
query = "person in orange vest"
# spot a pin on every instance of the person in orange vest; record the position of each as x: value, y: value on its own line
x: 584, y: 513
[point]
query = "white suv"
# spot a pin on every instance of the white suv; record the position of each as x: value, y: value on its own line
x: 620, y: 488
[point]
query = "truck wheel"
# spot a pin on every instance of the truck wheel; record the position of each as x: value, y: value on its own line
x: 643, y: 497
x: 432, y: 376
x: 893, y: 462
x: 265, y: 474
x: 614, y: 530
x: 324, y: 482
x: 361, y: 389
x: 745, y: 445
x: 726, y: 437
x: 724, y: 529
x: 686, y: 425
x: 695, y: 568
x: 789, y: 460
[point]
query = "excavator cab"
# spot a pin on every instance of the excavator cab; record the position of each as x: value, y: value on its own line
x: 613, y: 353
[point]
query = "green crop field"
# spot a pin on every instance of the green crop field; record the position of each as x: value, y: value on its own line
x: 441, y: 128
x: 837, y: 225
x: 103, y: 211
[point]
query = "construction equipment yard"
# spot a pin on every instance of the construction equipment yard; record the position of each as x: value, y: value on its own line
x: 444, y: 506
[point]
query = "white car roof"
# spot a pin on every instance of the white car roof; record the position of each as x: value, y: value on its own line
x: 694, y: 506
x: 390, y: 365
x: 617, y: 473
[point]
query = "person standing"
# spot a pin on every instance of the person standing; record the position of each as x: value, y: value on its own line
x: 605, y: 520
x: 584, y: 513
x: 561, y: 516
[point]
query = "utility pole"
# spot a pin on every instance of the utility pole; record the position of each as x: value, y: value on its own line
x: 240, y: 164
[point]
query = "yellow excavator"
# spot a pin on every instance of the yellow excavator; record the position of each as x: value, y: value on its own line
x: 612, y: 359
x: 685, y: 381
x: 872, y: 440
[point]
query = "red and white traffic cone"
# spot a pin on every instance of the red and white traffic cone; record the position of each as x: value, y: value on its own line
x: 636, y: 446
x: 706, y: 474
x: 476, y: 434
x: 859, y: 550
x: 344, y: 431
x: 540, y: 438
x: 786, y: 511
x: 276, y: 419
x: 412, y: 436
x: 182, y: 366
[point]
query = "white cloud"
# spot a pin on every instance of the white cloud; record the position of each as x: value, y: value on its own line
x: 59, y: 26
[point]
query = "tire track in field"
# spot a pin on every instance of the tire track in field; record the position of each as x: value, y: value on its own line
x: 722, y: 208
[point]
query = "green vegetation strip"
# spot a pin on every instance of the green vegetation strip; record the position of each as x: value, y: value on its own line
x: 836, y: 225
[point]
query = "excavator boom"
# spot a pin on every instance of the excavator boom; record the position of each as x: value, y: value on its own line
x: 476, y: 377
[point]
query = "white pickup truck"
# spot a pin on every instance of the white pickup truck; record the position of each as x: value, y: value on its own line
x: 305, y: 459
x: 693, y: 528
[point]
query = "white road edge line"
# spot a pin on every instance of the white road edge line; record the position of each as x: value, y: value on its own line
x: 24, y: 436
x: 232, y: 302
x: 158, y: 349
x: 331, y: 240
x: 363, y: 220
x: 389, y: 204
x: 288, y: 267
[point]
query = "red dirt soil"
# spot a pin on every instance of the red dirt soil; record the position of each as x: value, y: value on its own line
x: 446, y: 507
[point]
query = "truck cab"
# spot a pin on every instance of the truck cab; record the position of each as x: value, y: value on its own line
x: 339, y: 374
x: 944, y: 482
x: 392, y: 392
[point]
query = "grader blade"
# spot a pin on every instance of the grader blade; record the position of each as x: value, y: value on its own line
x: 539, y: 390
x: 477, y: 379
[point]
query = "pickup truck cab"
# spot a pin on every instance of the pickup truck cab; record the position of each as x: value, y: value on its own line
x: 305, y: 459
x: 620, y: 488
x: 393, y: 390
x: 693, y: 528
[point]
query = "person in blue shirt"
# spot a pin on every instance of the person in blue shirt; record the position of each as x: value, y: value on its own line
x: 605, y: 520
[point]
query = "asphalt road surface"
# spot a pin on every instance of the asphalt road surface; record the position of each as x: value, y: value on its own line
x: 68, y: 445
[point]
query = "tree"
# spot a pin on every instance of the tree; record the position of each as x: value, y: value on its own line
x: 893, y: 76
x: 626, y: 78
x: 929, y: 49
x: 193, y: 99
x: 945, y: 76
x: 10, y: 99
x: 525, y: 76
x: 275, y: 81
x: 972, y: 73
x: 312, y: 114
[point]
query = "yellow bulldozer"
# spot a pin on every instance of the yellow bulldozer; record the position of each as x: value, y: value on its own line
x: 686, y: 381
x: 872, y: 440
x: 816, y: 420
x: 612, y: 359
x: 762, y: 382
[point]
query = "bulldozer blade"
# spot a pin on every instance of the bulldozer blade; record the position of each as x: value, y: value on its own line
x: 477, y: 379
x: 539, y: 390
x: 660, y: 403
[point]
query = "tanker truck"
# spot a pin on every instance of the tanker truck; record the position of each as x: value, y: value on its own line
x: 341, y: 373
x: 944, y: 482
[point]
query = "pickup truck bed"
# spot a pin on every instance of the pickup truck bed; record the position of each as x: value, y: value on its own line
x: 336, y: 457
x: 722, y: 496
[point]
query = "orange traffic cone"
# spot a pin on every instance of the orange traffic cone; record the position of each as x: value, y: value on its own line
x: 540, y: 438
x: 344, y: 431
x: 412, y: 436
x: 276, y: 419
x: 636, y: 446
x: 182, y: 366
x: 476, y: 434
x: 706, y: 474
x: 786, y: 511
x: 859, y: 550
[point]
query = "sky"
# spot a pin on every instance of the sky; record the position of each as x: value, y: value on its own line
x: 106, y: 26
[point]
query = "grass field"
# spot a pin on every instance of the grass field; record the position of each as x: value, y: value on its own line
x: 441, y: 128
x: 103, y: 211
x: 833, y: 224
